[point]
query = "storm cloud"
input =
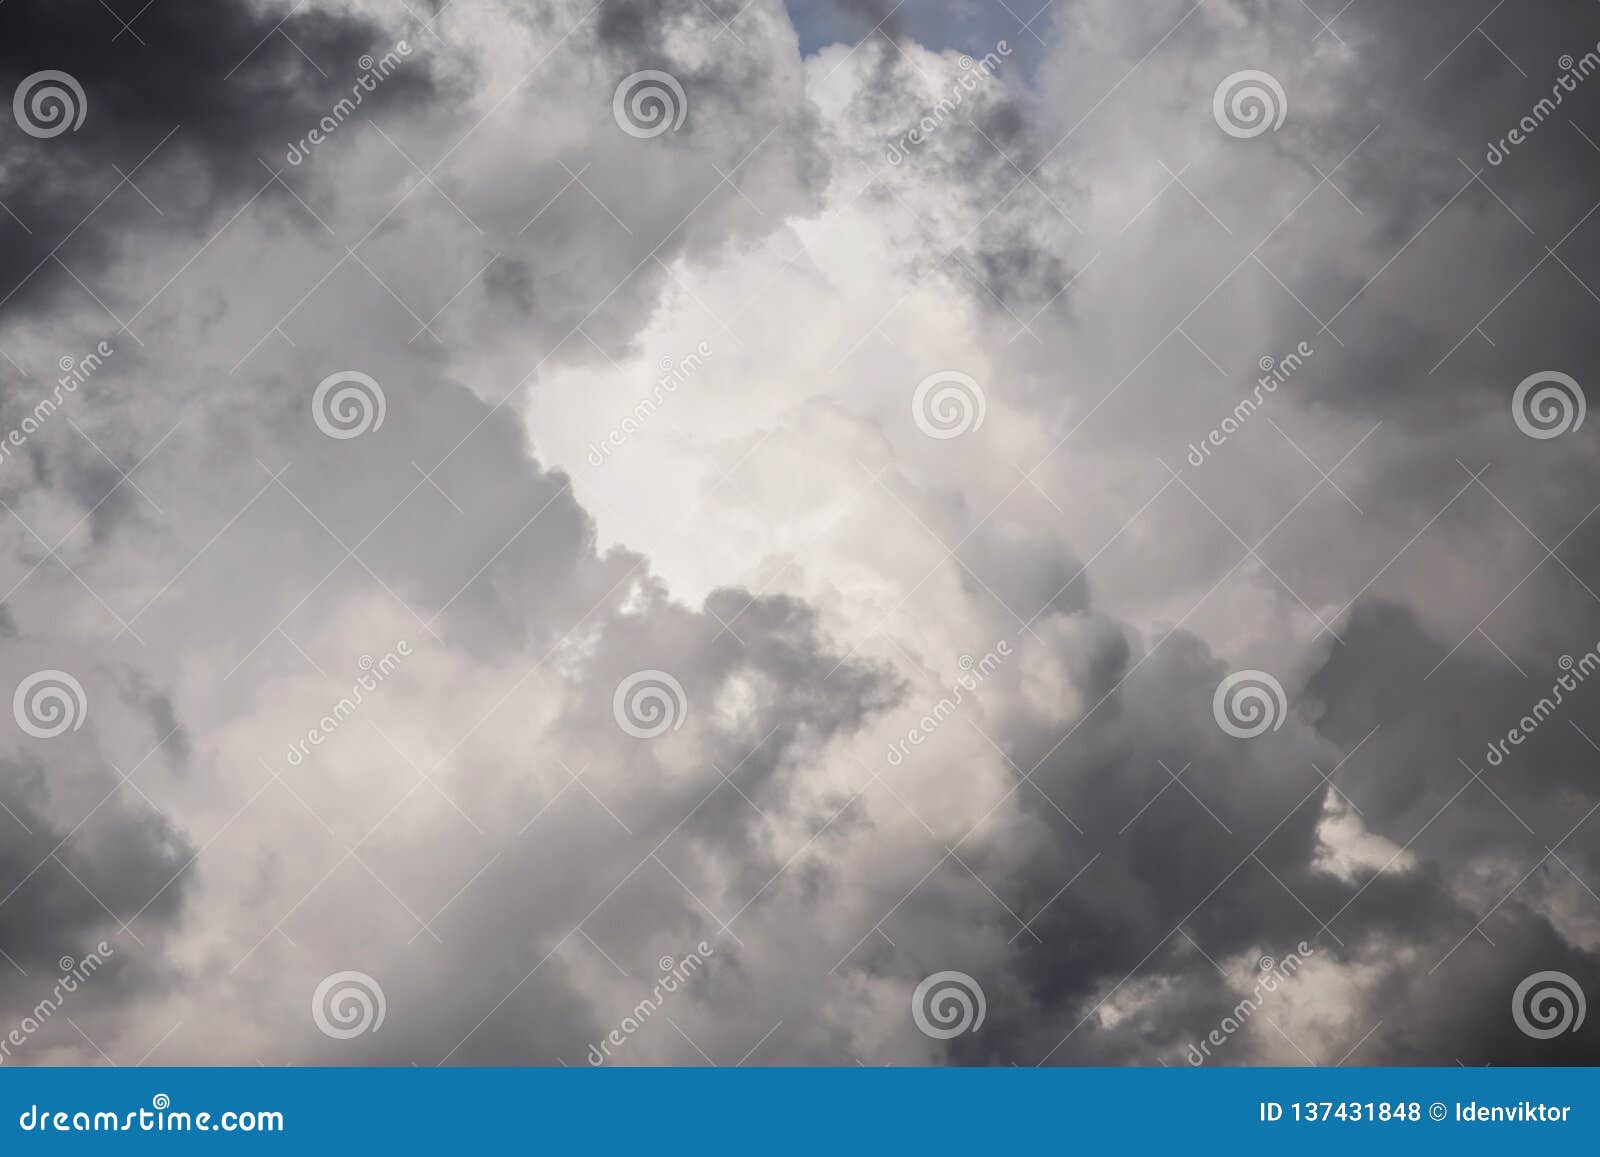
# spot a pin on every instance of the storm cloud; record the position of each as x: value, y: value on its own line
x: 836, y: 507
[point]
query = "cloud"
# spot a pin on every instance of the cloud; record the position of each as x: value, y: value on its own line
x: 180, y: 111
x: 649, y: 418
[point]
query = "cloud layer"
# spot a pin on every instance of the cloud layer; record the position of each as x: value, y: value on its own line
x: 727, y: 532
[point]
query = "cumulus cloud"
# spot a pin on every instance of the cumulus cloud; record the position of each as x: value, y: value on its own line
x: 776, y: 526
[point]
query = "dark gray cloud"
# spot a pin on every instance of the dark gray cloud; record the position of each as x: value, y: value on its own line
x: 946, y: 703
x: 103, y: 887
x: 178, y: 107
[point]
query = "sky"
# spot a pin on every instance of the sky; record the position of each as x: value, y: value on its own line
x: 828, y: 533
